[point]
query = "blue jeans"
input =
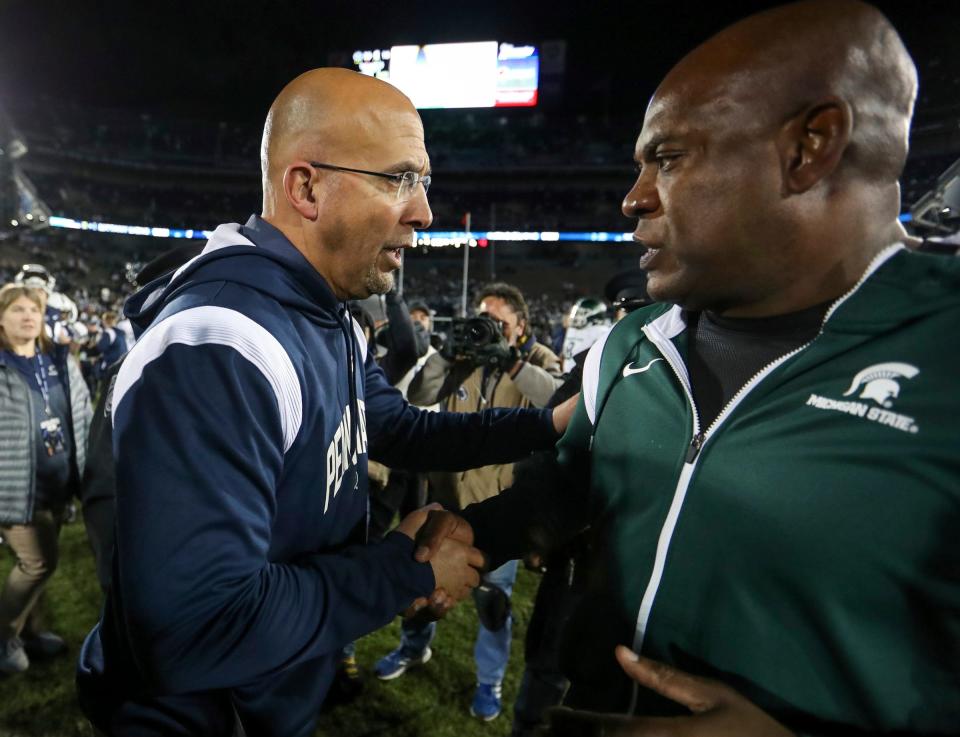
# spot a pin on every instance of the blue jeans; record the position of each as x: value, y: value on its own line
x: 492, y: 649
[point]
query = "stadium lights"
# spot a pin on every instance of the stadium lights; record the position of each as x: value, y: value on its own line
x: 429, y: 238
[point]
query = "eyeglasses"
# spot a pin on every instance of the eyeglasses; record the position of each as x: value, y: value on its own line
x: 406, y: 181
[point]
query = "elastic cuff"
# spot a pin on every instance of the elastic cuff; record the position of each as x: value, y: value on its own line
x: 426, y: 582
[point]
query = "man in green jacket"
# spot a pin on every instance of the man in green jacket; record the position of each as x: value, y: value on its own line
x: 771, y: 454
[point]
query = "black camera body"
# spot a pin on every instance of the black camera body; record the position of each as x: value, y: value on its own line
x: 476, y: 339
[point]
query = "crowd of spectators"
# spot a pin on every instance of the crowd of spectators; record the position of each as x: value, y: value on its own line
x: 95, y: 270
x: 477, y: 139
x: 525, y: 170
x: 510, y: 169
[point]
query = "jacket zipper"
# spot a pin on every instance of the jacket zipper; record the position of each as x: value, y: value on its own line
x: 699, y: 440
x: 693, y: 450
x: 672, y: 357
x: 696, y: 445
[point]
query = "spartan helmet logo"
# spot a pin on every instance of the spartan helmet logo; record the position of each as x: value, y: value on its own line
x: 880, y: 382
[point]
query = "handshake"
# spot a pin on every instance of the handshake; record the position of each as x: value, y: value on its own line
x: 445, y: 541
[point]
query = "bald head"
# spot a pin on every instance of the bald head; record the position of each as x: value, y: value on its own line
x: 781, y: 61
x: 323, y: 113
x: 769, y: 159
x: 345, y: 176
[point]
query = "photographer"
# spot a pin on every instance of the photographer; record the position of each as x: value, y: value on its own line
x: 488, y: 361
x: 478, y: 356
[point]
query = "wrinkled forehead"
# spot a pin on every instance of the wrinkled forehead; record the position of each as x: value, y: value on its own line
x: 709, y: 102
x: 669, y: 115
x: 382, y: 136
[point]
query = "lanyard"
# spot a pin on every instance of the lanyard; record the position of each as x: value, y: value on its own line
x: 41, y: 374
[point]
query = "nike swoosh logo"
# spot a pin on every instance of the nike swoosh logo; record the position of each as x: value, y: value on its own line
x: 627, y: 371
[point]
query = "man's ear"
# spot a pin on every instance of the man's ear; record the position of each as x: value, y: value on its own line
x: 812, y: 143
x: 298, y: 190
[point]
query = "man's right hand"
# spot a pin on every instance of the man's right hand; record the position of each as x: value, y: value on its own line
x: 437, y: 527
x: 446, y: 542
x: 456, y: 568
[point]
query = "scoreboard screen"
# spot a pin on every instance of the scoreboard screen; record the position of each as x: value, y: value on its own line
x: 458, y: 75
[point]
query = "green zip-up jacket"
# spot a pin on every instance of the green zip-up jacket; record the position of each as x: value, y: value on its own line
x: 801, y: 548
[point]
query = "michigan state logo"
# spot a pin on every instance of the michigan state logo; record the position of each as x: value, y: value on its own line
x: 880, y: 383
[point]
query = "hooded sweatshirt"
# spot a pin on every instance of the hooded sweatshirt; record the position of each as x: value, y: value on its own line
x: 243, y: 419
x: 801, y: 548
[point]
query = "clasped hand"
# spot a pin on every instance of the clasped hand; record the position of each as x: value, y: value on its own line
x: 447, y: 545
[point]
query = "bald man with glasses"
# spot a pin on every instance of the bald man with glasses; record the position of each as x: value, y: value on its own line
x: 243, y: 420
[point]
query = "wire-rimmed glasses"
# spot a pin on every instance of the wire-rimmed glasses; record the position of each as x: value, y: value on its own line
x: 406, y: 181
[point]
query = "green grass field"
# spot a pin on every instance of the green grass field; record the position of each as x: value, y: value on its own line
x: 432, y: 700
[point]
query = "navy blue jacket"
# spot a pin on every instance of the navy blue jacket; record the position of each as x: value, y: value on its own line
x: 243, y: 419
x: 112, y: 345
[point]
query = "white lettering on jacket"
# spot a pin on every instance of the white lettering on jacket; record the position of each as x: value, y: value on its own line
x: 339, y: 458
x: 904, y: 423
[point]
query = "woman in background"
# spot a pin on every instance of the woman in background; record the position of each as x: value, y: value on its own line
x: 44, y: 420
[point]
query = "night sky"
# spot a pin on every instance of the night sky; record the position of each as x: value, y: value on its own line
x: 227, y: 60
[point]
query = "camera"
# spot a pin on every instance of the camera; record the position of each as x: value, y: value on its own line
x: 474, y: 338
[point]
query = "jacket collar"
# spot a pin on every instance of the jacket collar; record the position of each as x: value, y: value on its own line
x: 673, y: 322
x: 269, y: 238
